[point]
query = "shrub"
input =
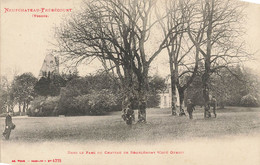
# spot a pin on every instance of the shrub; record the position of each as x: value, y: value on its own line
x: 95, y: 103
x: 249, y: 101
x: 35, y: 106
x: 101, y: 101
x: 82, y: 103
x: 50, y: 106
x: 71, y: 106
x: 42, y: 106
x: 153, y: 100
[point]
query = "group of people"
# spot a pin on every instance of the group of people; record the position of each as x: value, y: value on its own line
x: 191, y: 108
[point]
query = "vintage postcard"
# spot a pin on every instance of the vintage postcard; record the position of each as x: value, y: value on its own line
x: 100, y: 82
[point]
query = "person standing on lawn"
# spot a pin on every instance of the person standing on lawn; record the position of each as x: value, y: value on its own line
x: 190, y: 108
x: 8, y: 125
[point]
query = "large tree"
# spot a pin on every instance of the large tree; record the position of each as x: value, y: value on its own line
x: 119, y: 33
x: 218, y: 26
x: 183, y: 56
x: 3, y: 100
x: 6, y: 97
x: 23, y: 90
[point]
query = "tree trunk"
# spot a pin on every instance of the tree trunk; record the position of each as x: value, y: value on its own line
x: 19, y: 105
x: 128, y: 97
x: 27, y: 106
x: 173, y: 91
x: 142, y: 94
x: 24, y: 106
x: 181, y: 97
x: 205, y: 79
x: 127, y: 109
x: 206, y: 75
x: 221, y: 103
x: 142, y: 106
x: 222, y: 106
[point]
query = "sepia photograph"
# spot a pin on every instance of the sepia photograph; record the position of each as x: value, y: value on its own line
x: 107, y: 82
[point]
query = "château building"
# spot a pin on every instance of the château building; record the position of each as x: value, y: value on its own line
x: 50, y: 66
x: 166, y: 95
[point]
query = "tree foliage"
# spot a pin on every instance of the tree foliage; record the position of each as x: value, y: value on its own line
x: 47, y: 86
x: 230, y: 86
x: 235, y: 86
x: 44, y: 106
x: 156, y: 86
x: 90, y: 95
x: 3, y: 100
x: 23, y: 89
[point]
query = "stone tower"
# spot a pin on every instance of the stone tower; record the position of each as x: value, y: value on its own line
x: 50, y: 66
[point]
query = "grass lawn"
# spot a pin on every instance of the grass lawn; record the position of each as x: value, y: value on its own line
x: 160, y: 126
x: 231, y: 138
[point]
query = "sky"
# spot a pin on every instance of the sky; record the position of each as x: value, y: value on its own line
x: 25, y: 40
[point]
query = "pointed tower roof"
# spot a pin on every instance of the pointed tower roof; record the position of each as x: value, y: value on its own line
x: 50, y: 66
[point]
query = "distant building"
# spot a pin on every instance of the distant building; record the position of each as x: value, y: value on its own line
x: 166, y: 95
x: 50, y: 66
